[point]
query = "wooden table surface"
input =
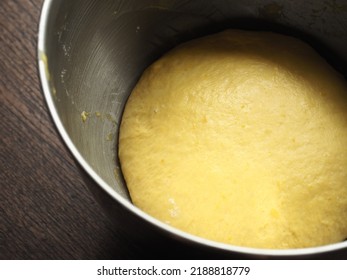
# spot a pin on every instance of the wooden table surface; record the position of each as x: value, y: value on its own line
x: 46, y: 210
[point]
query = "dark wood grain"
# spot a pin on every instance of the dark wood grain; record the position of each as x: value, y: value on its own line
x: 46, y: 210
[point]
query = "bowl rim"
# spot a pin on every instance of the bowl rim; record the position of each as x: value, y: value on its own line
x: 49, y: 98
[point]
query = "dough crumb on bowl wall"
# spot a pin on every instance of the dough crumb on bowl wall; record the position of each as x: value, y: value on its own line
x: 239, y: 137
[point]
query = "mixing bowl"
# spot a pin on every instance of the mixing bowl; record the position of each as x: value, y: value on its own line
x: 91, y: 53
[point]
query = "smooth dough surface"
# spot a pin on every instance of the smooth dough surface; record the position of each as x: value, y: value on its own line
x: 240, y: 137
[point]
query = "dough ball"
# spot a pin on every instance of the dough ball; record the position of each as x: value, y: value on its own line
x: 240, y: 137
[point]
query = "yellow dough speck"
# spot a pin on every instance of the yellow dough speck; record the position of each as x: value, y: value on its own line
x: 240, y: 137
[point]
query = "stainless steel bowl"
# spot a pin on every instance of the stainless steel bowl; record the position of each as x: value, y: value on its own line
x: 91, y: 53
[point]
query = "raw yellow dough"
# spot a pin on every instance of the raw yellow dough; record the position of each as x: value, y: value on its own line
x: 240, y: 137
